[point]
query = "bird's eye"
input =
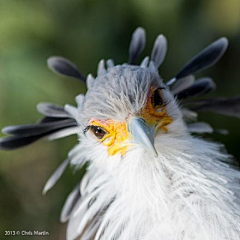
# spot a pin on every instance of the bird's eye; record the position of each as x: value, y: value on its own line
x: 98, y: 131
x: 156, y: 98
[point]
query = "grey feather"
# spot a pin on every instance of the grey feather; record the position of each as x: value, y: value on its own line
x: 152, y: 67
x: 182, y: 84
x: 63, y: 133
x: 71, y: 201
x: 91, y: 230
x: 55, y: 176
x: 188, y: 114
x: 137, y: 44
x: 90, y: 81
x: 171, y: 81
x: 15, y: 142
x: 205, y: 59
x: 200, y: 87
x: 144, y: 62
x: 36, y: 129
x: 199, y: 127
x: 225, y: 106
x: 52, y: 110
x: 79, y: 99
x: 84, y: 182
x: 101, y: 68
x: 72, y: 110
x: 64, y: 67
x: 110, y: 63
x: 159, y: 50
x: 24, y: 135
x: 47, y: 119
x: 74, y: 221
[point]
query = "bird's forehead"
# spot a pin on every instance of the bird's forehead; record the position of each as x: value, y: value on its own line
x: 121, y: 91
x: 124, y: 79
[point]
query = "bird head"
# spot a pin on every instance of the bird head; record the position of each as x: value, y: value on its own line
x: 127, y: 108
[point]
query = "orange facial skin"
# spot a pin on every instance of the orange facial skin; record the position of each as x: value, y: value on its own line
x: 155, y: 115
x: 117, y: 138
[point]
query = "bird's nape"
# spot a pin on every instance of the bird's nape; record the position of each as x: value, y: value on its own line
x: 147, y: 176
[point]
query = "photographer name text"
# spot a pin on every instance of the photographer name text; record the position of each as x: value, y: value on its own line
x: 26, y: 233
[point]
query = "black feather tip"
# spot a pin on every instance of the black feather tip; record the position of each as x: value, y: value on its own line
x: 62, y: 66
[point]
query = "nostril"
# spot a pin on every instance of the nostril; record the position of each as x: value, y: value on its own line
x: 142, y: 120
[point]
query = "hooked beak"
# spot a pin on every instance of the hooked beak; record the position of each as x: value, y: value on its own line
x: 142, y: 134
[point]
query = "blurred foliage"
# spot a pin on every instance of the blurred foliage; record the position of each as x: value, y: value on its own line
x: 86, y: 31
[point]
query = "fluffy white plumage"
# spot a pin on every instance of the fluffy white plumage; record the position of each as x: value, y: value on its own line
x: 186, y: 193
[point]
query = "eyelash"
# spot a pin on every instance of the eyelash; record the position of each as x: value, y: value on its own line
x: 86, y: 129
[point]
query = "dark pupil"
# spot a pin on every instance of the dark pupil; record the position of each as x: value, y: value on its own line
x: 98, y: 131
x: 157, y: 99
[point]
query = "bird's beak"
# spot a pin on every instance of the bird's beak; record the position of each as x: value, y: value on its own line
x: 142, y: 134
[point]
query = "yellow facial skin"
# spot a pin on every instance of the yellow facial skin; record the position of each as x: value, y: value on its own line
x: 117, y: 138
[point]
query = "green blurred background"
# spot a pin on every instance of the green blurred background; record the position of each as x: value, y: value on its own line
x: 86, y: 31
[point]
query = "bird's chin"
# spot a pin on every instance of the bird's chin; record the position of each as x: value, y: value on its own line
x: 130, y: 150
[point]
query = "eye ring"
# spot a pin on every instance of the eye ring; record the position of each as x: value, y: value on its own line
x: 98, y: 131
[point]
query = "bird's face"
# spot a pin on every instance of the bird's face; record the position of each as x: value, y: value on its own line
x: 128, y: 118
